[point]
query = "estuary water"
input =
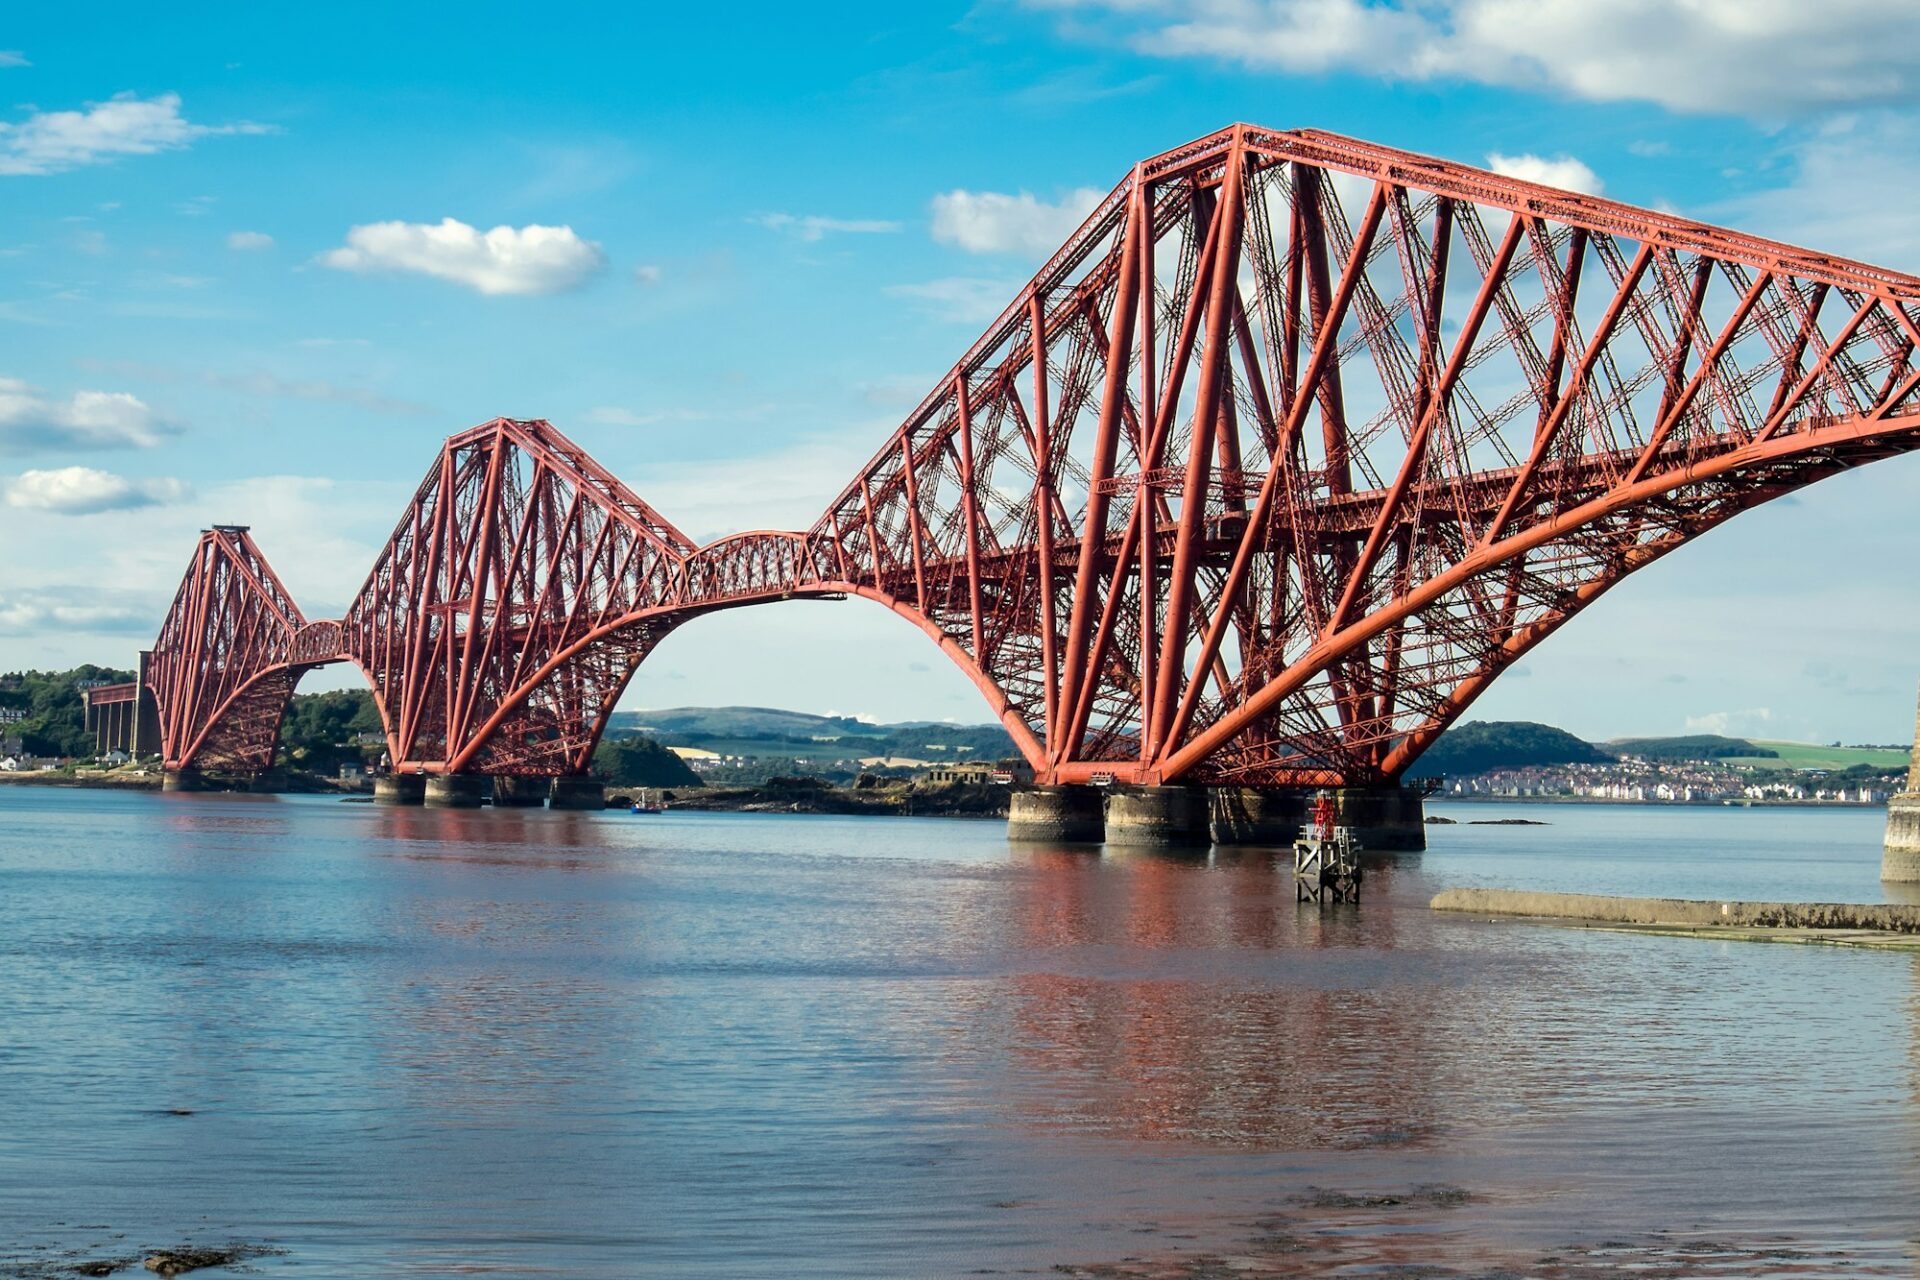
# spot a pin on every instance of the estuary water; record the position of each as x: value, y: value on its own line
x: 399, y: 1042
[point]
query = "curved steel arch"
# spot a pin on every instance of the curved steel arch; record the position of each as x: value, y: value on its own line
x: 1290, y: 450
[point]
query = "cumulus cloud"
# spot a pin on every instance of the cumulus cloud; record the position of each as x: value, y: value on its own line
x: 993, y: 222
x: 505, y: 260
x: 124, y: 125
x: 249, y: 241
x: 811, y: 227
x: 962, y: 299
x: 78, y: 608
x: 1563, y: 172
x: 1847, y: 193
x: 30, y: 421
x: 74, y: 491
x: 1762, y: 57
x: 1733, y: 724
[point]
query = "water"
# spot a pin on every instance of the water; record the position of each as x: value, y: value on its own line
x: 423, y: 1043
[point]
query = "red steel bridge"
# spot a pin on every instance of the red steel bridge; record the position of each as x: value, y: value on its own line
x: 1289, y: 451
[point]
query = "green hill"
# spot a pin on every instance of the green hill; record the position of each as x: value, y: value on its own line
x: 801, y: 737
x: 1696, y: 746
x: 1469, y: 749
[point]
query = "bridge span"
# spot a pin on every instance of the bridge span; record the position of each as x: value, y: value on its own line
x: 1293, y: 447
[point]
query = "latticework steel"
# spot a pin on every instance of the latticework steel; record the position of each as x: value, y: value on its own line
x: 1296, y: 445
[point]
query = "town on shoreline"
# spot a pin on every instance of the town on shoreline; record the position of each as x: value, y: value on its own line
x: 760, y: 759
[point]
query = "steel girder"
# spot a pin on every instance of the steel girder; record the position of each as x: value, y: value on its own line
x: 1299, y: 441
x: 1292, y: 448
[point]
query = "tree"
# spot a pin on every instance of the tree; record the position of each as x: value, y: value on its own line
x: 639, y: 761
x: 320, y: 731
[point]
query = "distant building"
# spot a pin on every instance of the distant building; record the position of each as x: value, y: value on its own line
x: 12, y: 715
x: 974, y: 773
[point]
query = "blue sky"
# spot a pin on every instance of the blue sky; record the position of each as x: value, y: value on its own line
x: 728, y: 248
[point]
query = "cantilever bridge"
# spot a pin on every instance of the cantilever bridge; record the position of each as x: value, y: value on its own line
x: 1290, y: 450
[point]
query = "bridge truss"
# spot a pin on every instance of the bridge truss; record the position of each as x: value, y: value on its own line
x: 1293, y: 447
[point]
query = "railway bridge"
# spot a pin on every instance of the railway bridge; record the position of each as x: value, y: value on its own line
x: 1291, y: 449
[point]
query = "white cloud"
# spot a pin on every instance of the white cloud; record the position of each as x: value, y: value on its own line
x: 13, y: 58
x: 786, y: 488
x: 55, y: 141
x: 86, y: 420
x: 811, y: 227
x: 29, y: 613
x: 1732, y: 724
x: 1763, y: 57
x: 505, y: 260
x: 646, y: 274
x: 74, y: 491
x: 1847, y: 195
x: 1563, y: 171
x: 961, y: 299
x: 260, y: 383
x: 249, y: 241
x: 992, y: 222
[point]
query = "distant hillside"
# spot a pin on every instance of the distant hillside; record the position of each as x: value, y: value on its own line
x: 799, y: 736
x: 743, y: 722
x: 1484, y: 745
x: 1697, y: 746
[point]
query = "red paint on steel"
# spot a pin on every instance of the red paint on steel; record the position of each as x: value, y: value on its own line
x: 1113, y: 513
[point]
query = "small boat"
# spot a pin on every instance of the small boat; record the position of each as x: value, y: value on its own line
x: 647, y: 808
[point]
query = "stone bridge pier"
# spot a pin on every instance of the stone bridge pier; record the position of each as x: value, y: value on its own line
x: 1388, y: 818
x: 1900, y: 854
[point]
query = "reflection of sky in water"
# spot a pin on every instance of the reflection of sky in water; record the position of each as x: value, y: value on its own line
x: 730, y: 1045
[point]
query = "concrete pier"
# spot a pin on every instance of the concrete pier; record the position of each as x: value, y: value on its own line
x: 400, y: 788
x: 1685, y: 913
x: 577, y: 793
x: 455, y: 790
x: 1057, y: 815
x: 1258, y: 815
x: 182, y: 780
x: 510, y: 792
x: 1383, y: 819
x: 1900, y: 856
x: 1900, y: 853
x: 1158, y: 817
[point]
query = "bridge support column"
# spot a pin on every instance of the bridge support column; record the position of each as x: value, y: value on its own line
x: 400, y: 788
x: 577, y: 793
x: 1259, y: 815
x: 1900, y: 854
x: 455, y: 790
x: 1057, y: 815
x: 1900, y: 858
x: 1158, y: 817
x: 182, y: 780
x: 1383, y: 818
x: 510, y: 792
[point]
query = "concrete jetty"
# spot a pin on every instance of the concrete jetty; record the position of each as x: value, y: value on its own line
x: 1836, y: 923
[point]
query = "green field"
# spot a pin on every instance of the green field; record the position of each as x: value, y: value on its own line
x: 1806, y: 755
